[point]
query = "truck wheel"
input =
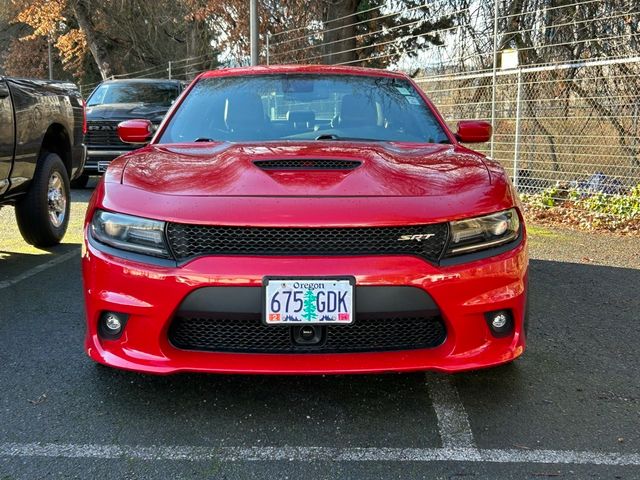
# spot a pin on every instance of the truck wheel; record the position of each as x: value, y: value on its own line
x: 43, y: 213
x: 81, y: 181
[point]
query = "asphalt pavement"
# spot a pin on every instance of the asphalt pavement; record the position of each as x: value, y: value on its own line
x: 569, y: 408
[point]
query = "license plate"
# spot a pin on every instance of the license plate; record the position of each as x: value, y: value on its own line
x: 308, y: 301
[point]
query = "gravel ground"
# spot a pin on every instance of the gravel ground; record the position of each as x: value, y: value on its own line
x: 575, y: 246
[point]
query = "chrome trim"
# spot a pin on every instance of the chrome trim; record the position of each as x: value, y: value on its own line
x: 478, y: 246
x: 104, y: 153
x: 56, y: 200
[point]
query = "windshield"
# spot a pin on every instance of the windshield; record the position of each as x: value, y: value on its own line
x: 303, y: 107
x: 148, y: 93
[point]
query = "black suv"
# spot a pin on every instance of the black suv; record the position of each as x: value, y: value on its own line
x: 114, y: 101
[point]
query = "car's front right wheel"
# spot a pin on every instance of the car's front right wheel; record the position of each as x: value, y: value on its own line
x: 43, y: 213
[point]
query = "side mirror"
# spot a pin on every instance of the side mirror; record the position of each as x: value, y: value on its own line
x: 473, y: 131
x: 137, y: 132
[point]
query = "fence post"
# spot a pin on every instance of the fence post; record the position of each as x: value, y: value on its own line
x: 50, y: 60
x: 253, y: 31
x: 516, y: 148
x: 635, y: 129
x: 169, y: 70
x: 495, y: 68
x: 267, y: 44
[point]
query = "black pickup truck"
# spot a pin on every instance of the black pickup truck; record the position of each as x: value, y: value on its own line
x: 41, y: 150
x: 114, y: 101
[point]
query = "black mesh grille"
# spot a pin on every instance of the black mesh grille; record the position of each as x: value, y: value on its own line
x: 102, y: 134
x: 307, y: 164
x: 190, y: 240
x: 250, y: 335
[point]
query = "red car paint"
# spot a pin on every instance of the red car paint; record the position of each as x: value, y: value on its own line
x: 470, y: 131
x: 135, y: 131
x: 217, y: 183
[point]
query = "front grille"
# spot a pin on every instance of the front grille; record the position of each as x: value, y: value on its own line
x: 187, y: 241
x: 307, y: 164
x: 103, y: 134
x: 247, y: 334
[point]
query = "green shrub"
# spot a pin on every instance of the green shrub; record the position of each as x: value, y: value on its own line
x: 625, y: 206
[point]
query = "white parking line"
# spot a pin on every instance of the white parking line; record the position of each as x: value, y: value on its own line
x: 40, y: 268
x: 311, y: 454
x: 453, y: 422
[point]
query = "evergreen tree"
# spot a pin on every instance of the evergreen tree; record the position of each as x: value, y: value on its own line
x: 309, y: 312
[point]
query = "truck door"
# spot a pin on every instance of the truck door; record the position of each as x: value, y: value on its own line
x: 7, y: 136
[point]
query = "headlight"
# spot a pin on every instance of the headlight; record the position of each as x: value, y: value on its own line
x: 483, y: 232
x: 126, y: 232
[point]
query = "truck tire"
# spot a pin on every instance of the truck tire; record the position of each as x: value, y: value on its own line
x: 81, y: 181
x: 43, y: 213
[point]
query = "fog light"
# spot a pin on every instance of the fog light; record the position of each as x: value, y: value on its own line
x: 497, y: 322
x: 112, y: 322
x: 111, y: 325
x: 500, y: 322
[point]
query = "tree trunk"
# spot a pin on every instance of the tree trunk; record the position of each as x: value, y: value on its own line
x: 96, y: 45
x: 339, y: 37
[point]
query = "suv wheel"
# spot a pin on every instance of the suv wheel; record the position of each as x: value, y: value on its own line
x: 43, y: 213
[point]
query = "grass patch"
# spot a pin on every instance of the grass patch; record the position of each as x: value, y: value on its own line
x: 538, y: 231
x: 11, y: 241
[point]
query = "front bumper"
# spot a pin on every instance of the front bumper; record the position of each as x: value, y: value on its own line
x: 99, y: 159
x: 150, y: 295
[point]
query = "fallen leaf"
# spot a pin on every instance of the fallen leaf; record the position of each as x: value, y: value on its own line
x: 42, y: 398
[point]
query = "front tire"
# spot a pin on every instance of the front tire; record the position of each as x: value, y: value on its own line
x: 43, y: 213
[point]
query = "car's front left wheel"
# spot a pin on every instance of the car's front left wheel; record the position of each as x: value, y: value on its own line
x: 43, y: 213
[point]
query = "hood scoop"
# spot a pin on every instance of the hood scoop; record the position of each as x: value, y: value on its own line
x: 325, y: 164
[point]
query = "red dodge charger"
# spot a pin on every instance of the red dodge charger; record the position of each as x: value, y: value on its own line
x: 304, y: 220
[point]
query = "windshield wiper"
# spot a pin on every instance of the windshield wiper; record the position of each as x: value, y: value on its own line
x: 333, y: 136
x: 204, y: 139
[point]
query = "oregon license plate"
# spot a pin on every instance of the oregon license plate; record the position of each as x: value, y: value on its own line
x: 308, y: 301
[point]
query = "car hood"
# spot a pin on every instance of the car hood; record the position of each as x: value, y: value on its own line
x: 126, y: 111
x: 381, y: 169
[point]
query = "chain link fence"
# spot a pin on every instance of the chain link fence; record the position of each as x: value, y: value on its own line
x: 571, y: 125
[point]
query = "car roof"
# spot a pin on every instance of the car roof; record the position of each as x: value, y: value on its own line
x: 298, y: 69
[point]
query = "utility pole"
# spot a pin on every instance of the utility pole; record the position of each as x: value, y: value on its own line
x: 253, y: 27
x: 50, y: 59
x: 495, y: 78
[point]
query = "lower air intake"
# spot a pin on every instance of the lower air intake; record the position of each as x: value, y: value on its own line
x: 247, y: 334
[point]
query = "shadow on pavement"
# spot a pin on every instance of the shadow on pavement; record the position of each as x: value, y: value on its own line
x: 13, y: 263
x: 576, y: 387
